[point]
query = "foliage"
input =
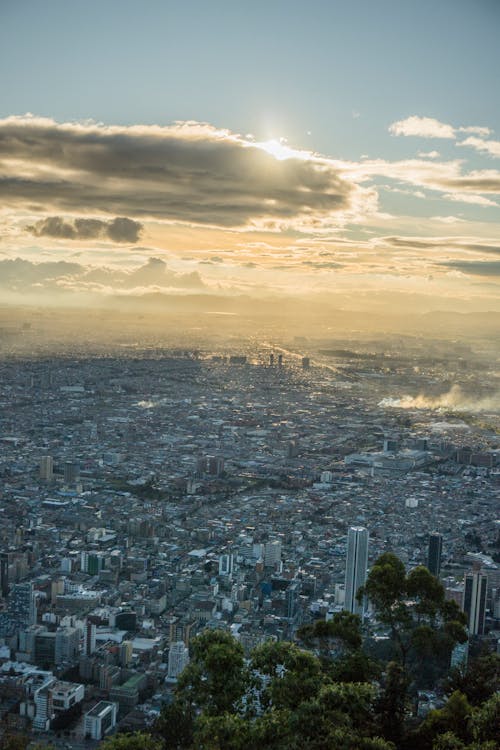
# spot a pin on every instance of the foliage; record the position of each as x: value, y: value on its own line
x: 479, y: 681
x: 214, y: 679
x: 288, y: 698
x: 424, y: 626
x: 392, y: 703
x: 136, y: 741
x: 342, y: 631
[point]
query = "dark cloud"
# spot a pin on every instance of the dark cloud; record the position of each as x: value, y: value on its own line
x: 475, y: 267
x: 326, y: 264
x: 120, y: 229
x: 18, y: 275
x: 430, y: 244
x: 190, y: 173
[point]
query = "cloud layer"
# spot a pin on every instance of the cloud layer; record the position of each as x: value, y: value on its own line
x: 187, y: 172
x: 120, y: 229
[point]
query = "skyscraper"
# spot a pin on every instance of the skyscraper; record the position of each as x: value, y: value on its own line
x: 357, y: 563
x: 434, y: 555
x: 46, y: 468
x: 22, y: 607
x: 4, y: 574
x: 475, y: 601
x: 178, y: 658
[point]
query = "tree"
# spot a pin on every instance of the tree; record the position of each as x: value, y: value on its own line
x: 386, y: 590
x: 453, y: 718
x: 14, y: 742
x: 479, y: 681
x: 136, y: 741
x: 391, y: 705
x: 485, y: 722
x: 215, y: 678
x: 175, y: 725
x: 424, y: 626
x: 226, y: 732
x: 342, y: 632
x: 292, y: 675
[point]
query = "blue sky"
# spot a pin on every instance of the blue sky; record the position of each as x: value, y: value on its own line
x: 330, y: 77
x: 270, y: 67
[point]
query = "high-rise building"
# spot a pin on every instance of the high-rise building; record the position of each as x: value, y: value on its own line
x: 100, y: 720
x: 4, y: 574
x: 67, y: 645
x: 178, y: 658
x: 226, y: 564
x: 292, y: 600
x: 357, y: 563
x: 71, y: 472
x: 272, y: 553
x: 476, y: 584
x: 21, y: 609
x: 46, y: 468
x: 434, y: 555
x: 89, y: 638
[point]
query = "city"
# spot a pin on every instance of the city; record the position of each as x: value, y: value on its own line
x: 148, y: 495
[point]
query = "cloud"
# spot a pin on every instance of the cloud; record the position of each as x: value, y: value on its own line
x: 23, y: 275
x: 428, y: 127
x: 429, y: 154
x: 477, y: 130
x: 188, y: 172
x: 446, y: 176
x: 120, y: 229
x: 423, y: 127
x: 490, y: 147
x: 475, y: 267
x: 433, y: 243
x: 477, y: 200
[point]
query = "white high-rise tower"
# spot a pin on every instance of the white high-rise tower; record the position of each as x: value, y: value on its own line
x: 357, y: 563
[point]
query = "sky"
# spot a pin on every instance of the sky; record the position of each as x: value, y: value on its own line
x: 322, y: 150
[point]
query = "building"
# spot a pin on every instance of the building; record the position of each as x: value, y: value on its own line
x: 476, y: 584
x: 46, y: 468
x: 89, y: 638
x: 127, y: 695
x: 55, y: 697
x: 21, y: 609
x: 292, y: 600
x: 178, y: 659
x: 67, y: 645
x: 434, y: 555
x: 226, y: 565
x: 100, y: 720
x: 71, y: 472
x: 272, y: 553
x: 4, y: 574
x: 357, y: 563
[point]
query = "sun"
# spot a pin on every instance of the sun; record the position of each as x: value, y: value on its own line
x: 278, y: 148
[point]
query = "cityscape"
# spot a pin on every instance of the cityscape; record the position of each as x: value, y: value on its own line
x: 151, y: 494
x: 249, y: 375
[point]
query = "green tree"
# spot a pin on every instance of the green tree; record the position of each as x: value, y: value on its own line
x: 215, y: 678
x: 293, y: 675
x: 424, y: 626
x: 14, y: 742
x: 392, y: 703
x: 453, y: 718
x: 341, y: 632
x: 136, y: 741
x: 485, y: 721
x: 225, y: 732
x: 386, y: 590
x: 175, y: 725
x: 479, y: 681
